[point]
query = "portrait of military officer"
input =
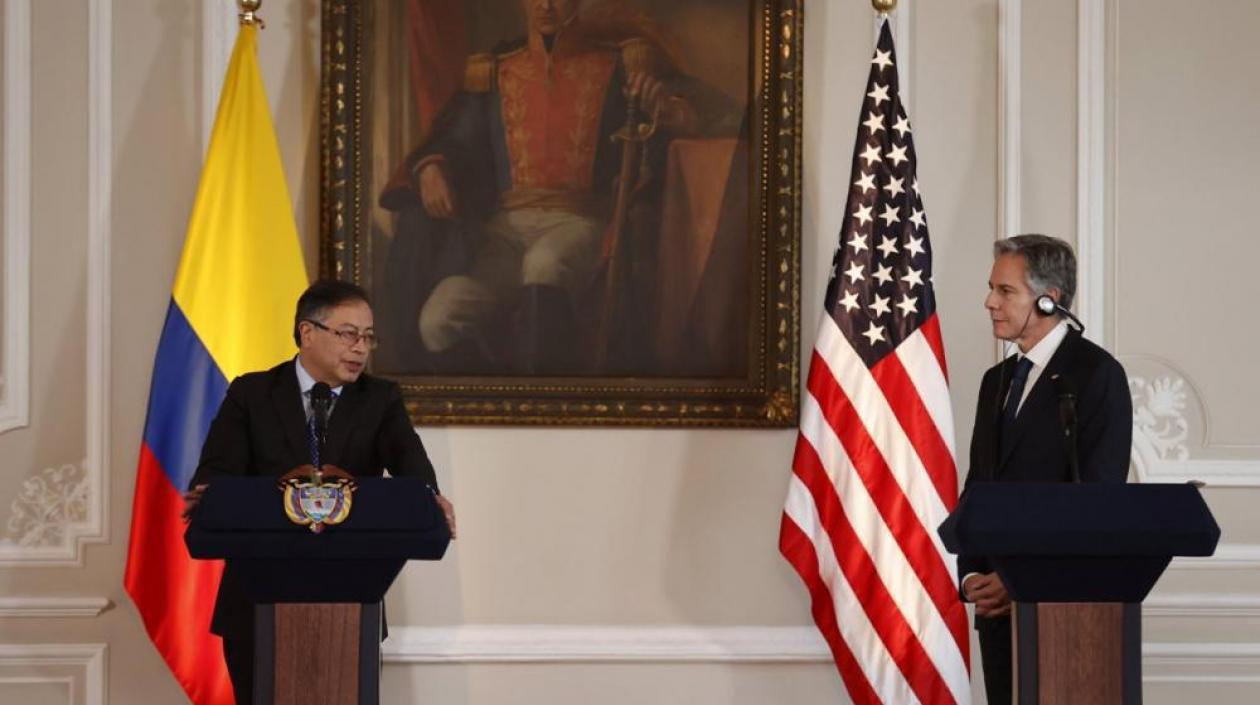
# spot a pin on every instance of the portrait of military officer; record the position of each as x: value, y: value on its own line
x: 531, y: 228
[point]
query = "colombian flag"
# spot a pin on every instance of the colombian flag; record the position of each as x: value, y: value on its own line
x: 231, y: 312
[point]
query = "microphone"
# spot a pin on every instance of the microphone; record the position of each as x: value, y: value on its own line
x: 1065, y: 389
x: 321, y: 402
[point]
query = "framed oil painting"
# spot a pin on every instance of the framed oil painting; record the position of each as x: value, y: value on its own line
x: 570, y: 212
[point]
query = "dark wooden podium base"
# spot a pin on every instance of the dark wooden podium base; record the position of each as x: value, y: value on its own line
x: 1077, y: 653
x: 317, y: 654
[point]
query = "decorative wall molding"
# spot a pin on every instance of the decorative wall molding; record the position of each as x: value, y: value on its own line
x: 1161, y: 427
x: 62, y: 509
x: 67, y: 682
x: 488, y: 643
x: 100, y: 216
x: 89, y: 657
x: 43, y: 516
x: 219, y: 25
x: 29, y: 607
x: 1009, y: 131
x: 1010, y: 117
x: 1229, y: 556
x: 496, y: 643
x: 1170, y: 423
x: 1202, y: 605
x: 1170, y: 418
x: 1214, y: 473
x: 1091, y: 171
x: 15, y: 347
x: 1233, y: 662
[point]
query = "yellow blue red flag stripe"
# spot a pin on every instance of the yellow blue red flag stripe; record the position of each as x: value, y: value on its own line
x: 230, y: 312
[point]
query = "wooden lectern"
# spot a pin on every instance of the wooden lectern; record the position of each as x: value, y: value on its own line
x: 318, y: 620
x: 1078, y: 560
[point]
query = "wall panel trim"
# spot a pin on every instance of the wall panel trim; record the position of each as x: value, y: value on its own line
x: 1091, y: 143
x: 1202, y: 605
x: 1229, y: 556
x: 15, y: 347
x: 67, y: 550
x: 1229, y: 662
x: 25, y: 607
x: 1010, y: 117
x: 90, y: 657
x: 497, y: 643
x: 489, y: 644
x: 100, y: 215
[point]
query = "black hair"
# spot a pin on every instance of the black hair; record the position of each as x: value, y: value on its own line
x: 321, y: 297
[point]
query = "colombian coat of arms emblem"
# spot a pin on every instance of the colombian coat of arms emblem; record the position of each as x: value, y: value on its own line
x: 316, y: 504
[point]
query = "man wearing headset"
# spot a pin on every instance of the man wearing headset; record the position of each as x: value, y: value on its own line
x: 1018, y: 435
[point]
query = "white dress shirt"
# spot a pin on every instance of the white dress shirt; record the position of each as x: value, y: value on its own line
x: 305, y: 382
x: 1040, y: 357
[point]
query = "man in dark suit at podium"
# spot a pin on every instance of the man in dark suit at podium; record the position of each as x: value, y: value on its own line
x: 267, y: 425
x: 1018, y: 434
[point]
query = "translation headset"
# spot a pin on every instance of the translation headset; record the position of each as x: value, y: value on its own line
x: 1047, y: 306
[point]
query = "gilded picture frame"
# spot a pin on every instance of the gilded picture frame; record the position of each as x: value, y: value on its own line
x: 633, y: 264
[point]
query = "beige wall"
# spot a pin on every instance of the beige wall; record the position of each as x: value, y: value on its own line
x: 632, y: 566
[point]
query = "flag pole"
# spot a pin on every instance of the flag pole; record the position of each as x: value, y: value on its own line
x: 249, y: 12
x: 884, y: 7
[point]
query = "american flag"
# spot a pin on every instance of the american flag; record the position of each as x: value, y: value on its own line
x: 874, y: 474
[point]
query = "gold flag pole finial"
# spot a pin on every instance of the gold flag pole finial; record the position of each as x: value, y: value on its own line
x: 249, y: 12
x: 884, y: 7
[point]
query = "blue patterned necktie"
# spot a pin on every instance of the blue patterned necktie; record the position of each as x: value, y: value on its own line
x: 312, y: 437
x: 1018, y: 379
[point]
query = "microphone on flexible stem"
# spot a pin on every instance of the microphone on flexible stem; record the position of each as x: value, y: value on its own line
x: 1065, y: 389
x: 321, y: 402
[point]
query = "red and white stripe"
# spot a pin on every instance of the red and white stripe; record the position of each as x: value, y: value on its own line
x: 873, y: 477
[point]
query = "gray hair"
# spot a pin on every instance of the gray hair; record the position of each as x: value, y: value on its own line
x: 1050, y: 263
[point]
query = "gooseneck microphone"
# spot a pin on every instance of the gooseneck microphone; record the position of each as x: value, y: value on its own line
x: 1065, y: 389
x: 321, y: 403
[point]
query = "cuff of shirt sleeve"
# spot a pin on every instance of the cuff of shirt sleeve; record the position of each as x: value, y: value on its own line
x: 963, y: 582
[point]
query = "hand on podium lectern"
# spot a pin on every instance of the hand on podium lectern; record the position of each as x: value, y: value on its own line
x: 988, y: 593
x: 448, y: 510
x: 191, y: 499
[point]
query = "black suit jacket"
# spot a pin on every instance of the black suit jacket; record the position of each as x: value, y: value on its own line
x: 1035, y: 451
x: 261, y: 430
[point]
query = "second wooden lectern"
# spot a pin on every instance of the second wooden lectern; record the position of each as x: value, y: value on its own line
x: 1078, y: 560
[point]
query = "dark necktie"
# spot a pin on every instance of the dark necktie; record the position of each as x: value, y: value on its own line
x: 1018, y: 379
x: 313, y: 438
x: 317, y: 425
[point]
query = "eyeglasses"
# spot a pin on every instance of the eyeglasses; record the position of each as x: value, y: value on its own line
x: 348, y: 336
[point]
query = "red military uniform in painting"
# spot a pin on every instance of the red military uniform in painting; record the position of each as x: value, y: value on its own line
x: 551, y: 105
